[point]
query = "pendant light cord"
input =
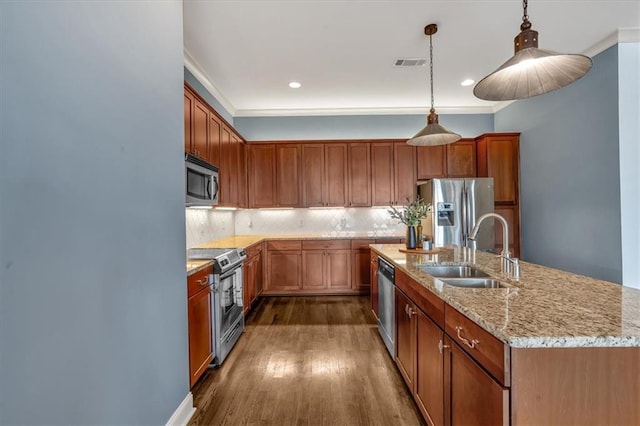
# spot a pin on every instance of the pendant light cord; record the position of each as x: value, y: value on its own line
x: 431, y: 70
x: 525, y: 17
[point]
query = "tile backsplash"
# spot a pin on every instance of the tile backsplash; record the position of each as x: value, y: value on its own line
x: 329, y: 222
x: 208, y: 225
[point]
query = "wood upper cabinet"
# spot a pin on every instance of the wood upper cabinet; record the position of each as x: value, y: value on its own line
x: 241, y: 176
x: 189, y: 101
x: 472, y: 396
x: 199, y: 324
x: 288, y: 175
x: 432, y: 162
x: 393, y: 173
x: 461, y: 158
x: 336, y: 175
x: 262, y: 176
x: 359, y: 175
x: 404, y: 162
x: 215, y: 128
x: 382, y: 174
x: 225, y: 167
x: 511, y: 215
x: 498, y: 157
x: 200, y: 130
x: 324, y: 175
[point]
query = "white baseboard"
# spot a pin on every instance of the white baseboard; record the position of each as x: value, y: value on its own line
x: 183, y: 413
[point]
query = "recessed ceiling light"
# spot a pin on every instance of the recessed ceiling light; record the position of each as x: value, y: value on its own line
x: 295, y: 85
x: 467, y: 82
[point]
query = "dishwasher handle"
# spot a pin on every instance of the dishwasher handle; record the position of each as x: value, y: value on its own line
x: 386, y: 269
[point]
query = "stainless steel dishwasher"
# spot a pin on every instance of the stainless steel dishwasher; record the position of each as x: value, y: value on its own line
x: 386, y: 304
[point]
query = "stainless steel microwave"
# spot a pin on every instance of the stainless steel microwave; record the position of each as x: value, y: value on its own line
x: 202, y: 184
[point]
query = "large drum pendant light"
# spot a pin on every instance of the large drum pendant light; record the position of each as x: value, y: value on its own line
x: 531, y: 71
x: 434, y: 133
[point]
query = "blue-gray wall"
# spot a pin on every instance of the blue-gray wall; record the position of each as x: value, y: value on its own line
x: 570, y: 174
x: 93, y: 321
x: 355, y: 126
x: 629, y: 119
x: 202, y: 91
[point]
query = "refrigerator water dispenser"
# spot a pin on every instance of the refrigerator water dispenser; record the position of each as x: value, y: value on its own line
x: 445, y: 214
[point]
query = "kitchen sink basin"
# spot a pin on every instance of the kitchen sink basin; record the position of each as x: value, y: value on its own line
x: 474, y: 282
x: 454, y: 271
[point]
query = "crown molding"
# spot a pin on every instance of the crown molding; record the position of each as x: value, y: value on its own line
x: 621, y: 35
x: 195, y: 69
x: 359, y: 111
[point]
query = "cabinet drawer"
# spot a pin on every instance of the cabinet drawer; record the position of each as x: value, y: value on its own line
x: 254, y: 250
x: 489, y: 352
x: 198, y: 281
x: 388, y: 240
x: 362, y: 244
x: 284, y: 245
x: 431, y: 304
x: 326, y: 245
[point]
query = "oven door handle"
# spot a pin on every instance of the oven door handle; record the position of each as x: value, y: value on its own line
x: 230, y: 272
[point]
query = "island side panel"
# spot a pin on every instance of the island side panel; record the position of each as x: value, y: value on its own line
x: 586, y: 386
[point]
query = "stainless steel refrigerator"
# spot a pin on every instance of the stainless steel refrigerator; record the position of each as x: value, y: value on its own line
x: 456, y: 205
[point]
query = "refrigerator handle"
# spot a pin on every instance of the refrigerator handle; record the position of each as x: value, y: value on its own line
x: 470, y: 212
x: 463, y: 203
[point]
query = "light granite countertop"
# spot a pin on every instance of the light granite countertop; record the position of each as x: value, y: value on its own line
x: 245, y: 241
x: 546, y: 307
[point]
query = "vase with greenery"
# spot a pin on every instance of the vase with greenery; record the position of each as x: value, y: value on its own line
x: 411, y: 215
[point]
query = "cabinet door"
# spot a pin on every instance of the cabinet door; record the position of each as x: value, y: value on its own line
x: 241, y: 176
x: 225, y: 167
x: 233, y: 170
x: 502, y: 165
x: 361, y: 264
x: 432, y: 161
x: 473, y: 396
x: 200, y: 340
x: 382, y: 177
x: 259, y: 276
x: 430, y: 369
x: 189, y: 100
x: 335, y: 176
x: 215, y: 127
x: 338, y: 269
x: 405, y: 338
x: 262, y: 161
x: 200, y: 132
x: 248, y: 284
x: 461, y: 158
x: 405, y: 173
x: 287, y: 175
x: 312, y: 175
x: 313, y: 270
x: 283, y: 269
x: 359, y: 175
x: 374, y: 284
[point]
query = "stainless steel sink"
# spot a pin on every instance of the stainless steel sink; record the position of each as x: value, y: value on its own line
x: 454, y: 271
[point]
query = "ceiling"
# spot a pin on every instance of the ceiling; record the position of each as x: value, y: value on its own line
x: 343, y: 51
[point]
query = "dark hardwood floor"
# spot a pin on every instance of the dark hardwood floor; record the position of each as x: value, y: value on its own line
x: 306, y: 361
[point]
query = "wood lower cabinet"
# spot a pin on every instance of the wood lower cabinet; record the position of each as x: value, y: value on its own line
x: 313, y: 267
x: 338, y: 269
x: 405, y: 338
x: 374, y: 283
x: 429, y: 368
x: 326, y: 265
x: 284, y: 267
x: 361, y: 265
x: 199, y: 323
x: 252, y: 276
x: 473, y: 397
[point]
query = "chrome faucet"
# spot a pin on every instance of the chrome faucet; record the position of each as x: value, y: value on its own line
x: 508, y: 265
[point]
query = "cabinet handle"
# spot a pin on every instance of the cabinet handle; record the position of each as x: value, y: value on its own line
x: 204, y: 281
x: 472, y: 344
x: 409, y: 311
x: 441, y: 346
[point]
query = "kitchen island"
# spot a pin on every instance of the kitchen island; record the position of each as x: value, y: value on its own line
x: 550, y: 348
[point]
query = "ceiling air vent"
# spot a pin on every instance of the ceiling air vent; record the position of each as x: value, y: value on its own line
x: 410, y: 62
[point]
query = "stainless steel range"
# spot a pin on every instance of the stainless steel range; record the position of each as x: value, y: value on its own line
x: 226, y: 299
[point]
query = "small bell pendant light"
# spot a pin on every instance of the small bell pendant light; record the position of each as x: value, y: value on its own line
x: 434, y: 133
x: 531, y: 71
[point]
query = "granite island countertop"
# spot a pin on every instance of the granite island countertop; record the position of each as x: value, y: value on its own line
x: 546, y: 307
